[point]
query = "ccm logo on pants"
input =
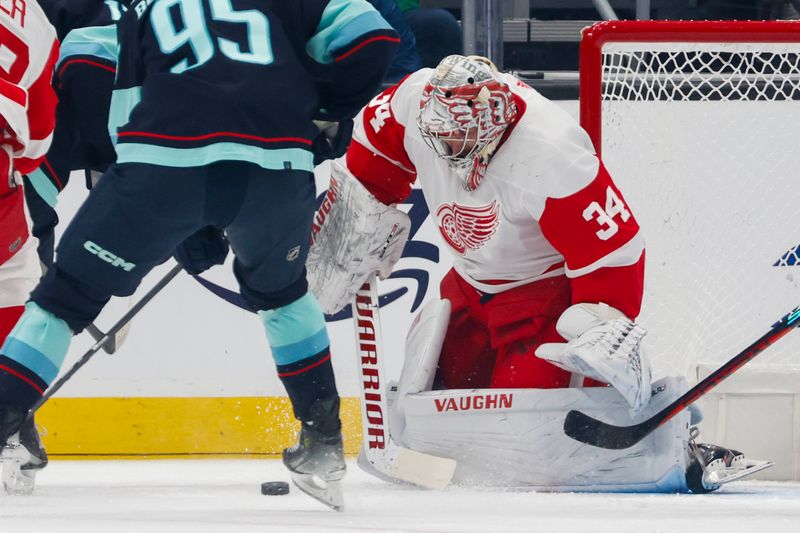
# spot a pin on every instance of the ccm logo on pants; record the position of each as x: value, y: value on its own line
x: 108, y: 257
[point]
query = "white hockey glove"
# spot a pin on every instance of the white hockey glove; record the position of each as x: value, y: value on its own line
x: 354, y: 236
x: 603, y: 344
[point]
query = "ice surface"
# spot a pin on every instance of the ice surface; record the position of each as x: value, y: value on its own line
x: 201, y: 496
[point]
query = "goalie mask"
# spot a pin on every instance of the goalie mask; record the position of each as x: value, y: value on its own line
x: 464, y: 111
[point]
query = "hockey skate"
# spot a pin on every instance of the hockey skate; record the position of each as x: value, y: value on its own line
x: 711, y: 466
x: 317, y: 466
x: 316, y: 462
x: 22, y: 457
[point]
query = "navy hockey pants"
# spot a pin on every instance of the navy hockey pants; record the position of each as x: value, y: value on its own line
x: 138, y: 213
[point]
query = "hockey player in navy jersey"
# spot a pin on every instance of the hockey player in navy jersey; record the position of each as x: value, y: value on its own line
x: 213, y: 113
x: 83, y: 81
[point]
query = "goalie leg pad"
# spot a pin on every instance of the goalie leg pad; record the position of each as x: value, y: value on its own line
x: 514, y: 438
x: 423, y: 346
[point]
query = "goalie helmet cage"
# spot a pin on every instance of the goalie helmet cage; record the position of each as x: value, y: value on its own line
x: 699, y: 124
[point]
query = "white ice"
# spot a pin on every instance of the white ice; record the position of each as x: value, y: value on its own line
x: 198, y: 496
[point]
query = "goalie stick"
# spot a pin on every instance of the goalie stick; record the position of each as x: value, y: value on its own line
x: 114, y: 330
x: 383, y: 453
x: 588, y: 430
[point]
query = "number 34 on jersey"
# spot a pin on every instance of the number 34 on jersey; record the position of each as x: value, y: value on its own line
x: 605, y: 215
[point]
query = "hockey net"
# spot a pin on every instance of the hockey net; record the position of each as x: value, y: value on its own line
x: 699, y: 124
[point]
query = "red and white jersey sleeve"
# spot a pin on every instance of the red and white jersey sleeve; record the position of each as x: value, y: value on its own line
x: 603, y: 249
x: 377, y: 155
x: 28, y: 52
x: 547, y: 206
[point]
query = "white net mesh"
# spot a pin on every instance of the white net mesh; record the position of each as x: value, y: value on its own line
x: 703, y: 142
x: 694, y: 71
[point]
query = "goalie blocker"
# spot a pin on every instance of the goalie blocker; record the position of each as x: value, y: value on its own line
x: 514, y: 437
x: 353, y: 236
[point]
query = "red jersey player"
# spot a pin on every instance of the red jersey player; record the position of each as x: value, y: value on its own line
x: 545, y: 250
x: 28, y: 51
x: 537, y: 229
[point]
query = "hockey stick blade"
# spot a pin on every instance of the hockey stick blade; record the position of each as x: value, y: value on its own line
x: 588, y: 430
x: 114, y: 342
x: 110, y: 346
x: 425, y: 470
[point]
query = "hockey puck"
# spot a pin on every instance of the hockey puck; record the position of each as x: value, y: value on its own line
x: 274, y: 488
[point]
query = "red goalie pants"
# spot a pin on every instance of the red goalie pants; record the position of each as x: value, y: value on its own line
x: 16, y: 270
x: 491, y: 338
x: 13, y: 224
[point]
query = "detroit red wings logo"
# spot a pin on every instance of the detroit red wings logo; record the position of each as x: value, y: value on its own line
x: 468, y: 228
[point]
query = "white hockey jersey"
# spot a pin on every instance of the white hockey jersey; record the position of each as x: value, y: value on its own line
x: 546, y: 207
x: 28, y: 52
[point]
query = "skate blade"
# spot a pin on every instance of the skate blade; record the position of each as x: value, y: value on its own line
x: 16, y: 481
x: 720, y: 477
x: 329, y: 493
x: 120, y: 337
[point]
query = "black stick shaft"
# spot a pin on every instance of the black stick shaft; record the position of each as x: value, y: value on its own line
x: 723, y: 372
x: 111, y: 332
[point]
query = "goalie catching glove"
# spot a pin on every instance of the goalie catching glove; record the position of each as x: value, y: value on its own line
x: 354, y: 236
x: 603, y: 344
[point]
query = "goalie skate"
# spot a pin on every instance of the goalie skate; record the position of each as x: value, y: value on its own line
x: 712, y: 466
